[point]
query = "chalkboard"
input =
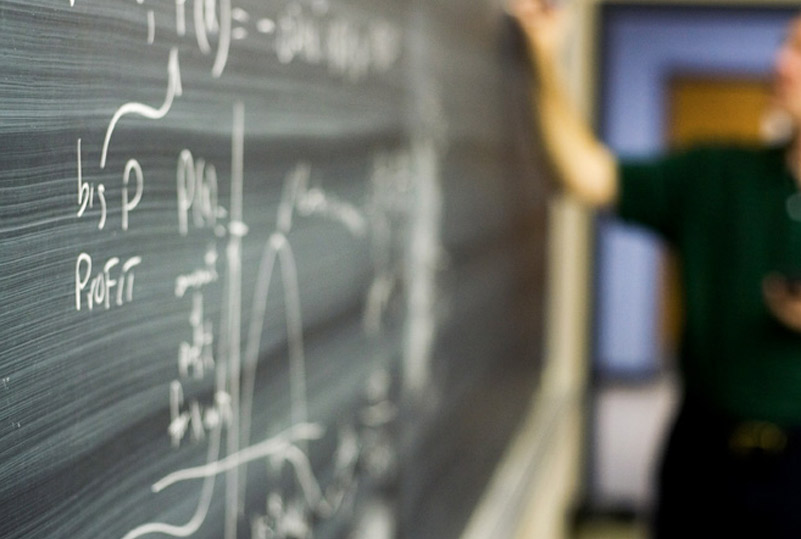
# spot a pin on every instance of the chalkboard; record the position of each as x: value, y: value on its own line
x: 267, y: 269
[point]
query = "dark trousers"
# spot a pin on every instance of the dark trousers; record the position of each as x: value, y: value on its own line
x: 725, y: 478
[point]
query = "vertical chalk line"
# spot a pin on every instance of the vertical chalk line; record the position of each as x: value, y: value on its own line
x: 234, y: 255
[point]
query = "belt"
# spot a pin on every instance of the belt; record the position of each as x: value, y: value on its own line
x: 739, y: 436
x: 763, y: 436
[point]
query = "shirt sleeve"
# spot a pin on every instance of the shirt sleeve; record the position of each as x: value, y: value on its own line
x: 653, y: 193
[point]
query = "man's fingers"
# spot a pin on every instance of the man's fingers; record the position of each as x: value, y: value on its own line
x: 782, y: 302
x: 526, y: 10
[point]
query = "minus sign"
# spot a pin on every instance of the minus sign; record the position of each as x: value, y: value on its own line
x: 265, y: 26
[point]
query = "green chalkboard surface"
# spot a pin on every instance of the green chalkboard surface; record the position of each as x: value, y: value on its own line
x: 268, y: 269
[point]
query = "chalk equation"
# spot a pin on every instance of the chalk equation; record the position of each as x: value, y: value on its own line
x: 219, y: 352
x: 225, y: 422
x: 258, y: 258
x: 307, y: 32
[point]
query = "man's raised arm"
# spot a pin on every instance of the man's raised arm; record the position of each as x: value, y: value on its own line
x: 586, y: 167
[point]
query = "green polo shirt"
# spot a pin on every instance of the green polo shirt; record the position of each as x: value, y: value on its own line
x: 732, y: 216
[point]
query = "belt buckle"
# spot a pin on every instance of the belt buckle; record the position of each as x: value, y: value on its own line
x: 762, y: 436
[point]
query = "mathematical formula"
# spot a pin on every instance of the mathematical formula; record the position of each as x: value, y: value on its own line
x: 312, y: 34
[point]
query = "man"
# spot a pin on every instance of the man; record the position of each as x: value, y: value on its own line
x: 732, y: 467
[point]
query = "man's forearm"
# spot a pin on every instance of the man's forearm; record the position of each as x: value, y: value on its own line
x: 586, y: 167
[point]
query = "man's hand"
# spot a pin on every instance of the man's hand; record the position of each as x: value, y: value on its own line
x: 543, y: 24
x: 783, y: 300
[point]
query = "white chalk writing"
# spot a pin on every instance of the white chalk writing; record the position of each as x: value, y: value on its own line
x: 96, y: 289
